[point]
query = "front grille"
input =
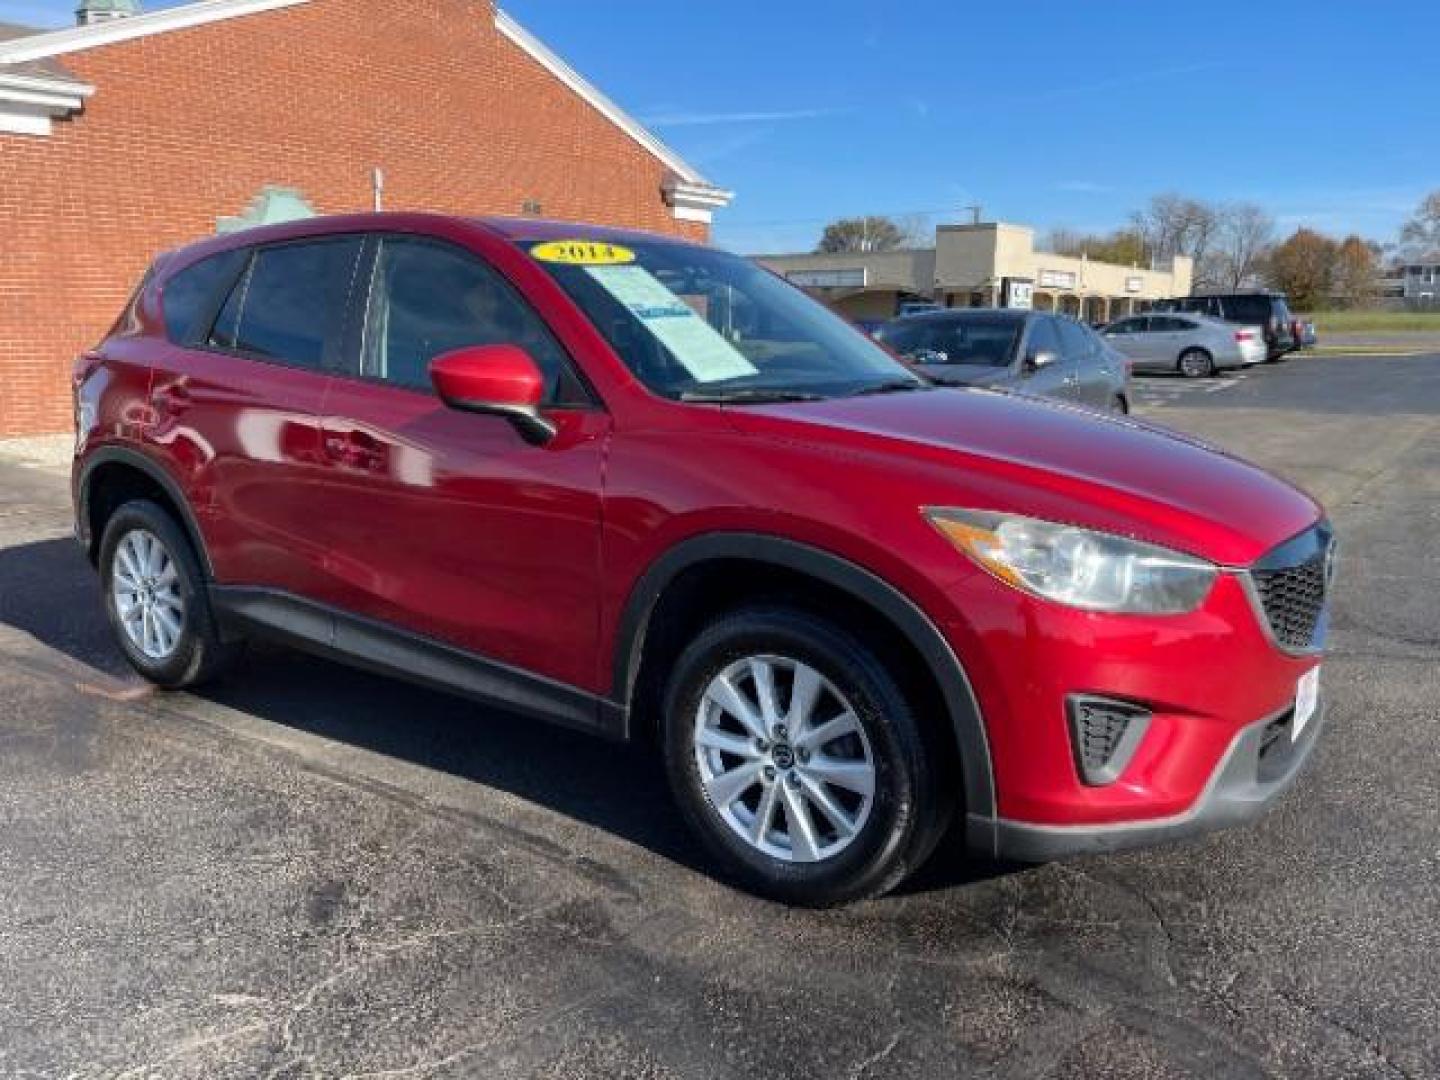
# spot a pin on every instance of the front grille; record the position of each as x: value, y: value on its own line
x: 1292, y: 585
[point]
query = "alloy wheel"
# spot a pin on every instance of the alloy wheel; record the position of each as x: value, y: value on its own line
x: 783, y: 758
x: 145, y: 586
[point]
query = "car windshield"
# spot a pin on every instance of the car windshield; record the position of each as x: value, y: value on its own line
x: 701, y: 325
x: 976, y: 340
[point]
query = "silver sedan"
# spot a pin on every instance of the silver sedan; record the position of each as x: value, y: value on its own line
x: 1193, y: 345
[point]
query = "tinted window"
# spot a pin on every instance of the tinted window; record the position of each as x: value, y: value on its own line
x: 1043, y: 337
x: 428, y: 299
x: 697, y: 323
x: 1073, y: 339
x: 290, y: 303
x: 1248, y: 309
x: 1126, y: 326
x: 189, y: 294
x: 987, y: 341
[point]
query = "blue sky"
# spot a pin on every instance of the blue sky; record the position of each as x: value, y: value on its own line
x: 1044, y: 113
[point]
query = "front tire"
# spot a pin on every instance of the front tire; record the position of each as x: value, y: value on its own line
x: 156, y: 600
x: 798, y: 761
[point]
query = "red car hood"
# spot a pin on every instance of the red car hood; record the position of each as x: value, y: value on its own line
x: 1050, y: 459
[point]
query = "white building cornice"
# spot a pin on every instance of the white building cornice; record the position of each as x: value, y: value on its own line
x: 28, y: 103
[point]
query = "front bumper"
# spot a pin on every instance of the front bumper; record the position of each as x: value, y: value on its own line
x: 1261, y: 762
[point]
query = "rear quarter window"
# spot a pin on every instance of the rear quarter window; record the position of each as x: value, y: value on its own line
x: 191, y: 294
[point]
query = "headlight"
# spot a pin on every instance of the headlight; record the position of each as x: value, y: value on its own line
x: 1080, y: 567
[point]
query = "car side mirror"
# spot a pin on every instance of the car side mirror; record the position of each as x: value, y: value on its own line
x: 1041, y: 358
x: 502, y: 380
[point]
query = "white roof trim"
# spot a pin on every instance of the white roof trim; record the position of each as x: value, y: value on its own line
x: 64, y: 91
x: 607, y: 108
x: 111, y: 31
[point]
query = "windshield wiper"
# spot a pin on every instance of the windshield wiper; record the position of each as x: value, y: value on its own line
x: 894, y: 386
x: 752, y: 394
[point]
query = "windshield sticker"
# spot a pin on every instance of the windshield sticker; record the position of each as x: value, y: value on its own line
x: 697, y: 345
x: 582, y: 253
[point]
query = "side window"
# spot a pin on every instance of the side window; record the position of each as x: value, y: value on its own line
x: 904, y: 337
x: 427, y: 299
x: 290, y: 303
x: 1073, y: 341
x: 190, y: 295
x: 1042, y: 337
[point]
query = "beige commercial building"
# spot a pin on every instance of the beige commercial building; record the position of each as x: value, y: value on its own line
x: 990, y: 264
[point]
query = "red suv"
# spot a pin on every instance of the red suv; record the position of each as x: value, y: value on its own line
x: 645, y: 488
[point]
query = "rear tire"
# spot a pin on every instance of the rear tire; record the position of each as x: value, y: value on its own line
x: 774, y: 715
x: 1196, y: 364
x: 156, y: 599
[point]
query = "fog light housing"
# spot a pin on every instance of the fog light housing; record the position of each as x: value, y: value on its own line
x: 1105, y: 735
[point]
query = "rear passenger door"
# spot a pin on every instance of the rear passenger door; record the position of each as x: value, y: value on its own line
x: 238, y: 409
x: 1169, y: 335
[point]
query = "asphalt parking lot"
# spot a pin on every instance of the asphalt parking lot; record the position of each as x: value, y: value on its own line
x: 311, y: 871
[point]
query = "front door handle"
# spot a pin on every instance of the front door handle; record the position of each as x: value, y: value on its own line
x: 357, y: 449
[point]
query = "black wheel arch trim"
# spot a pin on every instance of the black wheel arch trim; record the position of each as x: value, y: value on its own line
x: 949, y: 673
x: 119, y: 455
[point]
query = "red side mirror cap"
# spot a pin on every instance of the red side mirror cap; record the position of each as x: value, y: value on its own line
x: 502, y: 380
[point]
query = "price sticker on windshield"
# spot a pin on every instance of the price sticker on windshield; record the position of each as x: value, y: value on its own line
x: 582, y: 253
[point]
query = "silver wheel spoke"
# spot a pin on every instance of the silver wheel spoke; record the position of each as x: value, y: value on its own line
x: 765, y: 813
x: 764, y: 676
x: 131, y: 565
x: 168, y: 622
x: 727, y: 787
x: 724, y: 694
x: 844, y: 724
x: 803, y: 842
x: 714, y: 739
x: 829, y: 807
x: 856, y: 776
x: 804, y: 691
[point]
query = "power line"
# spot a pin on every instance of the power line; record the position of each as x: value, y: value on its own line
x: 730, y: 221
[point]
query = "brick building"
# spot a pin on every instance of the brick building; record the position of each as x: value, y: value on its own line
x: 130, y: 133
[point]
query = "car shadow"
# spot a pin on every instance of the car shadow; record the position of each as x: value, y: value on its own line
x: 49, y: 591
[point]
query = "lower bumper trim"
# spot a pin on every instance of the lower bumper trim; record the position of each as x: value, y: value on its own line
x: 1248, y: 779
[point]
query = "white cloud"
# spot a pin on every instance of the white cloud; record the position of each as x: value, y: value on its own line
x: 682, y: 118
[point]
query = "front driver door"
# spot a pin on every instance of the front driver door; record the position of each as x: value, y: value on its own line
x: 448, y: 524
x: 1054, y: 379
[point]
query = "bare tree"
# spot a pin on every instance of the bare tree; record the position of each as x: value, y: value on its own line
x: 1421, y: 234
x: 871, y: 233
x: 1125, y: 247
x: 1175, y: 224
x: 1245, y: 232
